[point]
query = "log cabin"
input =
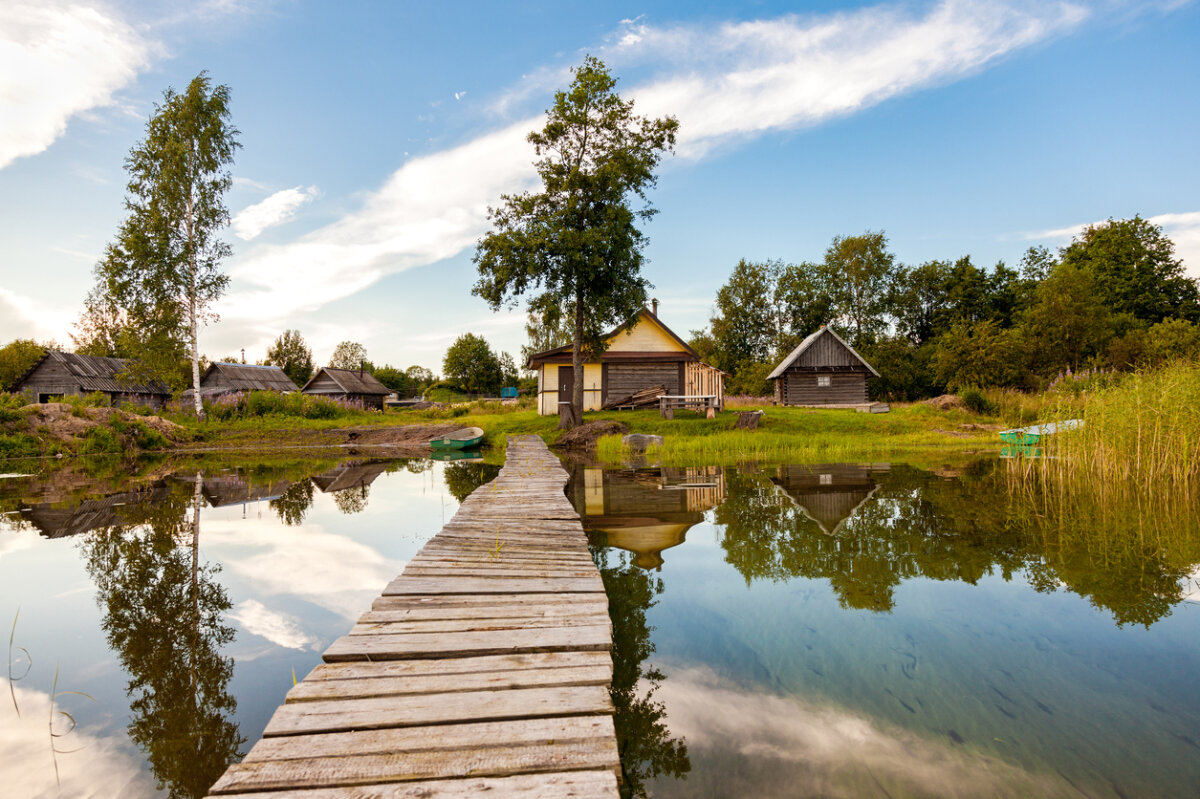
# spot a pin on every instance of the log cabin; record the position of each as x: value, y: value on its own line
x: 822, y: 370
x: 641, y: 354
x: 62, y: 374
x: 245, y: 377
x: 355, y: 385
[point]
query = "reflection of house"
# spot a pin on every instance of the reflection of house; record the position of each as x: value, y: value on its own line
x: 60, y: 374
x: 641, y: 354
x: 829, y: 494
x: 822, y: 370
x: 647, y: 511
x: 354, y: 385
x: 235, y: 490
x: 55, y: 521
x: 350, y: 475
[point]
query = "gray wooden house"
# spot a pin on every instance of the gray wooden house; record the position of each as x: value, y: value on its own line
x: 227, y: 377
x: 348, y: 384
x: 822, y: 370
x: 62, y: 374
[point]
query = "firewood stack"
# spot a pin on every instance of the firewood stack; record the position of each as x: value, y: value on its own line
x: 647, y: 397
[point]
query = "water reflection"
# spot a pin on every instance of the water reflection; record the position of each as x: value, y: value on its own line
x: 163, y: 614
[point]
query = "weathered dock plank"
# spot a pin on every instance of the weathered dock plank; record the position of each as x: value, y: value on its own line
x: 483, y: 669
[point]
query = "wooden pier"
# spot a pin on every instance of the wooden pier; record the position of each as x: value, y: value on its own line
x: 483, y: 669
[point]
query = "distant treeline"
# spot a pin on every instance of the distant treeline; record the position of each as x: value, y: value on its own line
x: 1115, y: 298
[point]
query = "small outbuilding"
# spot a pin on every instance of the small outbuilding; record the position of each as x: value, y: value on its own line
x: 643, y: 355
x: 355, y: 385
x: 64, y: 374
x: 225, y: 377
x: 823, y: 370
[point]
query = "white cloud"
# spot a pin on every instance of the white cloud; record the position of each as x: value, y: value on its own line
x: 57, y: 61
x: 22, y: 317
x: 1182, y: 228
x: 95, y: 767
x: 278, y: 628
x: 732, y: 81
x: 795, y: 747
x: 276, y: 209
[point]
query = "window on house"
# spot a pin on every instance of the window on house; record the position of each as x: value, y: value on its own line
x: 822, y: 381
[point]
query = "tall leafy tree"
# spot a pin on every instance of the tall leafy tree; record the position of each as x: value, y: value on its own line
x: 1134, y: 265
x: 471, y: 362
x: 861, y: 271
x: 577, y: 239
x: 745, y: 325
x: 804, y: 303
x: 16, y: 358
x: 158, y: 280
x: 349, y: 355
x: 291, y: 354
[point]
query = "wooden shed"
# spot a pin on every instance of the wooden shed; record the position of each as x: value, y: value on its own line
x: 641, y: 353
x: 62, y: 374
x: 823, y: 370
x: 348, y: 384
x: 245, y: 377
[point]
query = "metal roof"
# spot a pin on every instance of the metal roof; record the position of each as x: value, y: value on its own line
x: 96, y: 373
x: 808, y: 342
x: 250, y: 377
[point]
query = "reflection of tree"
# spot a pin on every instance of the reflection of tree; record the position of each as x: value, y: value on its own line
x: 917, y: 524
x: 645, y: 744
x: 352, y: 500
x: 465, y: 476
x: 293, y: 505
x: 163, y: 616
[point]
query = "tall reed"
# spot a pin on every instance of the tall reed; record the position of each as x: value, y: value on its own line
x: 1140, y: 435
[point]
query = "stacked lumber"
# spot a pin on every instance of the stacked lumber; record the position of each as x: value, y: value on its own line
x: 645, y: 398
x: 483, y: 669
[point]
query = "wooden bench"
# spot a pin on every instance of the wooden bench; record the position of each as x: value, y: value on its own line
x: 701, y: 403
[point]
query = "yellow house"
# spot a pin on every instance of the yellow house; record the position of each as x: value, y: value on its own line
x: 641, y: 354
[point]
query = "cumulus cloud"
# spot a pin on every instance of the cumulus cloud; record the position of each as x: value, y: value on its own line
x: 795, y: 747
x: 731, y: 81
x: 57, y: 60
x: 278, y: 628
x: 96, y: 766
x: 1182, y: 228
x: 22, y: 317
x: 276, y: 209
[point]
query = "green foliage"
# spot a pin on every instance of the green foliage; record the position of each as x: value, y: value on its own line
x: 976, y: 354
x: 1135, y: 270
x: 975, y: 401
x: 10, y: 407
x: 158, y: 279
x: 751, y: 380
x: 16, y: 358
x: 472, y: 364
x: 349, y: 355
x: 1172, y: 340
x: 577, y: 241
x: 746, y: 323
x: 101, y: 439
x: 258, y: 404
x: 1067, y: 323
x: 860, y: 273
x: 291, y: 354
x: 19, y: 445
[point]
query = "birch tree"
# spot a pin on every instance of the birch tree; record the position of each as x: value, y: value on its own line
x: 162, y: 274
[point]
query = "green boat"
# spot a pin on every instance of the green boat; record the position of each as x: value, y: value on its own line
x: 467, y: 438
x: 1026, y: 436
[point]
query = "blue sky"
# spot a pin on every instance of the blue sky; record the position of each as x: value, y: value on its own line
x: 375, y: 135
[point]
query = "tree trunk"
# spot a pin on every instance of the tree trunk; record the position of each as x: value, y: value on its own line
x: 577, y: 363
x: 197, y: 402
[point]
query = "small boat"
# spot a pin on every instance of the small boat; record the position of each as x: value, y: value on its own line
x: 466, y: 438
x: 1033, y: 435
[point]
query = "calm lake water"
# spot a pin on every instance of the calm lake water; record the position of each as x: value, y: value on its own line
x: 830, y: 630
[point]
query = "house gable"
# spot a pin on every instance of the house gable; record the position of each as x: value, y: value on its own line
x: 647, y: 334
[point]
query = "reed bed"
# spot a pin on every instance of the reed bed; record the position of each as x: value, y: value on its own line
x: 1141, y: 435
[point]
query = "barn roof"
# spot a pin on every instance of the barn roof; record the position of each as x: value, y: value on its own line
x: 96, y: 373
x: 247, y: 377
x: 808, y: 342
x: 644, y: 313
x: 351, y: 381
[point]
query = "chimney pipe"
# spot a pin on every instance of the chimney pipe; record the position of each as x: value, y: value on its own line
x: 243, y: 354
x: 654, y: 306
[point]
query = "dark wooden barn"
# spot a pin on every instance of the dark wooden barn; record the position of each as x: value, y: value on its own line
x: 348, y: 384
x: 245, y: 377
x: 823, y: 370
x: 62, y: 374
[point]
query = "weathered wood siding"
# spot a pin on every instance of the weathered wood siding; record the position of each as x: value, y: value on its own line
x: 626, y: 378
x: 827, y: 351
x: 845, y: 388
x: 323, y: 384
x: 702, y: 380
x: 50, y: 377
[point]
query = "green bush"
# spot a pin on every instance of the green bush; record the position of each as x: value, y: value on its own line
x: 10, y: 407
x: 147, y: 438
x: 101, y: 440
x: 18, y: 445
x: 975, y: 401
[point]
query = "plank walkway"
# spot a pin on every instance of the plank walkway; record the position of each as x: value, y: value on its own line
x: 483, y: 669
